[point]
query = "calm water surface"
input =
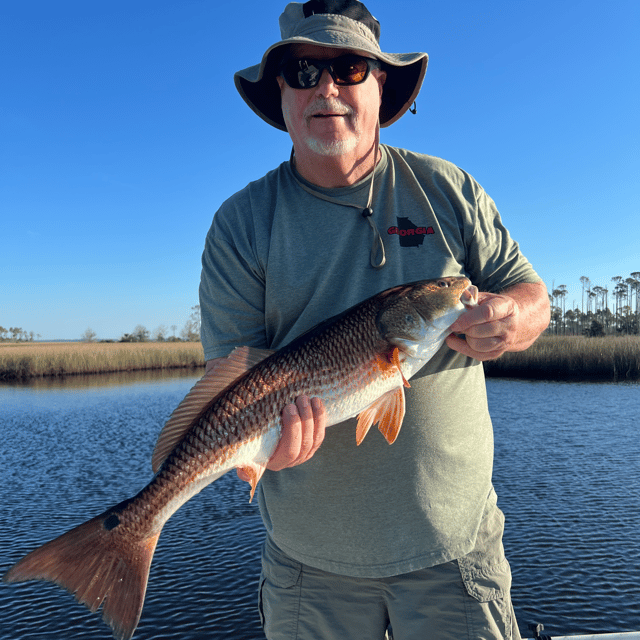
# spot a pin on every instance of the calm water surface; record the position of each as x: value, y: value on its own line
x: 567, y: 473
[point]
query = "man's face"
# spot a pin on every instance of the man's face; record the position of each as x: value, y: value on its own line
x: 328, y: 119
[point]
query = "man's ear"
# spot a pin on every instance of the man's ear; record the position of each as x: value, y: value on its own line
x: 381, y: 77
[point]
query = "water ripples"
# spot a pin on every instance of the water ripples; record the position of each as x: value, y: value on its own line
x: 567, y: 473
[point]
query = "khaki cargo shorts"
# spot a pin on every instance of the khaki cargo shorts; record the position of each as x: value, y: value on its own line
x: 468, y: 598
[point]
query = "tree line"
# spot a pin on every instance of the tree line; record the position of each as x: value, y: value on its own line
x: 17, y: 334
x: 189, y: 333
x: 602, y: 311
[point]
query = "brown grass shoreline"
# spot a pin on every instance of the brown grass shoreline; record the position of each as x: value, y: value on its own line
x: 570, y: 358
x: 25, y: 361
x: 573, y: 358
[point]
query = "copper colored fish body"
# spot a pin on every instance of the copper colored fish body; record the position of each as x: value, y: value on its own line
x: 357, y: 363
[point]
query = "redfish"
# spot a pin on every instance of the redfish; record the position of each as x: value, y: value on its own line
x: 357, y: 362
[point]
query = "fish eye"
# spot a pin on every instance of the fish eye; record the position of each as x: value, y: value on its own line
x: 443, y: 283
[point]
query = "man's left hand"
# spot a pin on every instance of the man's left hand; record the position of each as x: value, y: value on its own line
x: 490, y: 329
x: 511, y: 321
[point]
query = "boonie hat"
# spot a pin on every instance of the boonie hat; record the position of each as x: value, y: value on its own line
x: 337, y: 24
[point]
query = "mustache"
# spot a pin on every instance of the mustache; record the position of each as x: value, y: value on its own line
x: 327, y: 105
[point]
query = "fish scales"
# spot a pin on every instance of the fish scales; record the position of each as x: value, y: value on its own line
x: 355, y: 362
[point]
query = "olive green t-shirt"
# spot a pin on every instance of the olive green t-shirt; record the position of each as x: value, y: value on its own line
x: 277, y: 261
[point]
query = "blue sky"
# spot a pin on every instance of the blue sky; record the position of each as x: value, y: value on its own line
x: 121, y: 133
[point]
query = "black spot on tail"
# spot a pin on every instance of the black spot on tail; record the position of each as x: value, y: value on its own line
x: 111, y: 522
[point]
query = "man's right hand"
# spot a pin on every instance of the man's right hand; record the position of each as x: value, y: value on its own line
x: 303, y: 427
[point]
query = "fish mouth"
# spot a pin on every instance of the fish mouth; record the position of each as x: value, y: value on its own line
x: 469, y: 297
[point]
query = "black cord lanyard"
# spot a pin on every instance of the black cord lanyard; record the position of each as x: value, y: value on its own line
x: 377, y: 246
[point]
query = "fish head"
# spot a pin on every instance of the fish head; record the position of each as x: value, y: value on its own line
x: 415, y: 317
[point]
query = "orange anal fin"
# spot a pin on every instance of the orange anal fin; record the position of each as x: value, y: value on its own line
x: 387, y: 411
x: 254, y: 472
x: 99, y: 562
x: 396, y: 360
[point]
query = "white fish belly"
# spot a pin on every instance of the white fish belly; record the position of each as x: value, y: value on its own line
x: 258, y: 450
x: 342, y: 405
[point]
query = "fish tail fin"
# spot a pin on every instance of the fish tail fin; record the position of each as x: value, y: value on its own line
x: 98, y: 563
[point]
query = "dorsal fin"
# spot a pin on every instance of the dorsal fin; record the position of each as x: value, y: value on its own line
x: 229, y: 369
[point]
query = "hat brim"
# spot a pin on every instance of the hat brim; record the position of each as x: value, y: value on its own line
x: 259, y: 88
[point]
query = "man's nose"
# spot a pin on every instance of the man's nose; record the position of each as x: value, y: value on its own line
x: 326, y: 86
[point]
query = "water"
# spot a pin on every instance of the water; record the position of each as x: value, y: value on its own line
x: 64, y: 462
x: 567, y: 473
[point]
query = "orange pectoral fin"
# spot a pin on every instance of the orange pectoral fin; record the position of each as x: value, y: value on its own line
x: 387, y: 411
x: 365, y: 419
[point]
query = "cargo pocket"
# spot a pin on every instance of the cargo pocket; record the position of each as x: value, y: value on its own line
x: 486, y: 575
x: 486, y: 582
x: 279, y: 593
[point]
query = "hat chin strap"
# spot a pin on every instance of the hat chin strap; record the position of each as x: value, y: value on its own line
x: 377, y: 246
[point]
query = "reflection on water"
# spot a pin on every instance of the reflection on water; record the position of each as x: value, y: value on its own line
x: 101, y: 380
x: 567, y: 473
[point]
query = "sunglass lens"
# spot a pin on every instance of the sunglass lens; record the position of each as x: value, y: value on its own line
x: 350, y: 70
x: 306, y: 73
x: 301, y: 74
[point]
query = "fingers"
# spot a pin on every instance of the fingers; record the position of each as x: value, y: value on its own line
x: 492, y: 308
x: 489, y: 329
x: 303, y: 427
x: 481, y: 349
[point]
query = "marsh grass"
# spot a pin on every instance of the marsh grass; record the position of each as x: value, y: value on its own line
x: 19, y: 361
x: 573, y: 358
x: 550, y: 358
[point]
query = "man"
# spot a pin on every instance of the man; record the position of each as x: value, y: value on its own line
x: 363, y: 538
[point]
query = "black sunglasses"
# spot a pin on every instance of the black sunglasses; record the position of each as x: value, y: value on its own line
x: 305, y: 73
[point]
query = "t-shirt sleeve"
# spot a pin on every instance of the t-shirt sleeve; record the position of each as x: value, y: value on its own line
x: 231, y: 287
